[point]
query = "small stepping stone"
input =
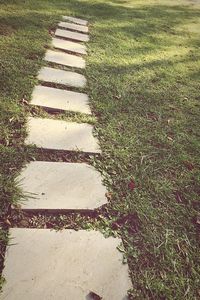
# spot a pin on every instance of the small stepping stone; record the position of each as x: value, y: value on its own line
x: 62, y: 77
x: 75, y: 20
x: 72, y: 35
x: 73, y: 26
x: 60, y: 99
x: 69, y: 46
x: 47, y: 264
x: 61, y: 135
x: 64, y: 59
x: 61, y: 186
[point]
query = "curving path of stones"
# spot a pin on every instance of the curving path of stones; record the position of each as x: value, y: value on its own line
x: 44, y: 264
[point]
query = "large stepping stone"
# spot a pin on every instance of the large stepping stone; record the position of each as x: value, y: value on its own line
x: 60, y: 99
x: 75, y: 20
x: 69, y: 46
x: 72, y: 35
x: 65, y: 59
x: 44, y: 264
x: 61, y: 186
x: 67, y: 78
x: 73, y: 26
x: 61, y: 135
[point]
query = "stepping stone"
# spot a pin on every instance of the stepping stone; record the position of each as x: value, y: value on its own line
x: 69, y: 46
x: 60, y: 99
x: 47, y: 264
x: 72, y: 35
x: 73, y: 26
x: 61, y: 186
x: 61, y: 135
x: 62, y: 77
x: 75, y: 20
x: 65, y: 59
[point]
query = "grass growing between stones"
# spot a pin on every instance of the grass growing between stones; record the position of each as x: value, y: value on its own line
x: 142, y: 72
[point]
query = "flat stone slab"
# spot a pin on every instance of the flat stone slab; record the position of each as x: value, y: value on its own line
x: 73, y: 26
x: 65, y: 59
x: 69, y: 46
x: 44, y: 264
x: 75, y: 20
x: 82, y: 37
x: 61, y: 135
x: 61, y: 186
x: 67, y: 78
x: 60, y: 99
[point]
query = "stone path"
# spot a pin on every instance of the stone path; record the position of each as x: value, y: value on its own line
x: 65, y: 59
x: 61, y: 135
x: 73, y: 26
x: 75, y: 20
x: 73, y: 185
x: 68, y: 46
x: 65, y: 265
x: 72, y: 35
x: 57, y: 76
x: 60, y: 99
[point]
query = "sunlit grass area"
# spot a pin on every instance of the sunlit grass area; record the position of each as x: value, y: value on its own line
x: 143, y: 82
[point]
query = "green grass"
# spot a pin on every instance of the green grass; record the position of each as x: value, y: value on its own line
x: 143, y: 81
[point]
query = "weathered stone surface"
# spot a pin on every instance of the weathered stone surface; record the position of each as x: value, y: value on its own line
x: 61, y: 135
x: 75, y: 20
x: 69, y: 46
x: 73, y: 26
x: 62, y: 186
x: 65, y: 59
x: 65, y: 265
x: 62, y: 77
x: 72, y: 35
x: 60, y: 99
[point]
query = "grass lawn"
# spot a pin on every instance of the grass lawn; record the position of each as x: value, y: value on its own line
x: 143, y: 82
